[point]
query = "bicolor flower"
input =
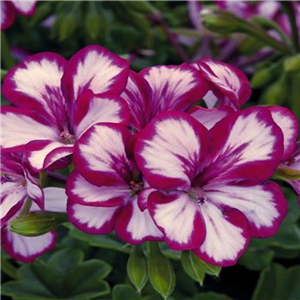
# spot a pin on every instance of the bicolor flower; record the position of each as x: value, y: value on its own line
x: 228, y: 86
x: 9, y: 9
x: 212, y: 189
x: 162, y: 88
x: 18, y: 183
x: 25, y: 248
x: 58, y: 100
x: 103, y: 191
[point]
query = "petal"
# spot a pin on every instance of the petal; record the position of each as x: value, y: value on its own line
x: 169, y: 150
x: 173, y: 88
x: 263, y: 205
x: 135, y: 226
x: 55, y: 199
x: 97, y: 69
x: 27, y: 249
x: 143, y: 198
x: 90, y: 109
x: 26, y: 8
x: 20, y: 126
x: 13, y: 195
x: 42, y: 154
x: 8, y: 15
x: 179, y: 218
x: 225, y: 79
x: 100, y: 155
x: 209, y: 117
x: 35, y: 83
x: 289, y: 125
x: 81, y: 191
x: 34, y: 191
x: 137, y: 94
x: 247, y: 145
x: 226, y: 235
x: 91, y: 219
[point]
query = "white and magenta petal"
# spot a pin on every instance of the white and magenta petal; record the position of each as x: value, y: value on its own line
x: 169, y: 150
x: 227, y: 235
x: 81, y: 191
x: 225, y: 80
x: 20, y: 126
x: 27, y: 249
x: 263, y: 205
x: 247, y: 145
x: 26, y: 7
x: 55, y: 199
x: 35, y: 83
x: 42, y: 154
x: 100, y: 155
x: 289, y: 125
x: 179, y: 218
x: 173, y: 88
x: 8, y: 14
x: 135, y: 226
x: 209, y: 117
x: 34, y: 191
x: 91, y: 219
x: 97, y: 69
x: 137, y: 94
x: 90, y: 109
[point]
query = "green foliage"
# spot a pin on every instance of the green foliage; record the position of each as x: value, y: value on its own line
x: 276, y: 282
x: 64, y: 276
x: 122, y: 292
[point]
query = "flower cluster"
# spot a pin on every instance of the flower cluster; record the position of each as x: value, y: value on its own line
x: 149, y: 162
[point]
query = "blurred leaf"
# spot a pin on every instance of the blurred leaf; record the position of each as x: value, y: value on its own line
x: 276, y: 282
x: 256, y: 259
x: 124, y: 292
x: 210, y: 296
x: 103, y: 241
x: 63, y: 276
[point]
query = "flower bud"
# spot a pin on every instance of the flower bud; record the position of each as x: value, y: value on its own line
x: 292, y: 63
x: 37, y: 223
x: 222, y: 22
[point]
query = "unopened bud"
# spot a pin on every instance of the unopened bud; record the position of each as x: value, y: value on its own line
x: 38, y: 223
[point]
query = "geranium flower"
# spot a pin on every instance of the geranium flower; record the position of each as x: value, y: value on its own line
x: 212, y: 189
x: 18, y: 184
x: 58, y: 100
x: 162, y: 88
x: 103, y: 191
x: 10, y: 8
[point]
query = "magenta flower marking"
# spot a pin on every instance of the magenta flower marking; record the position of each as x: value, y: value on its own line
x: 10, y: 8
x: 212, y: 189
x: 58, y: 100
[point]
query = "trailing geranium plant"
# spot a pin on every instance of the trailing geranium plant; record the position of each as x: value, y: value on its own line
x: 147, y: 159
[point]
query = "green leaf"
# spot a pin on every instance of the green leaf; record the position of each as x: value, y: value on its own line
x: 160, y: 271
x: 63, y: 276
x: 102, y: 241
x: 276, y: 282
x: 256, y: 259
x: 124, y: 292
x: 137, y: 268
x: 196, y: 267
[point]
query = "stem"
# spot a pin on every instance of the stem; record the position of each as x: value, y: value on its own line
x: 261, y: 35
x: 8, y: 60
x: 169, y: 34
x: 25, y: 208
x: 43, y: 179
x: 8, y: 269
x: 290, y: 11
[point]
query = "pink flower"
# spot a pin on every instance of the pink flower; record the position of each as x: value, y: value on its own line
x: 10, y: 8
x: 18, y: 184
x: 103, y: 191
x: 212, y: 189
x: 58, y: 100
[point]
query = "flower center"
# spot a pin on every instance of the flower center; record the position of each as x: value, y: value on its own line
x: 136, y: 187
x: 67, y: 138
x: 198, y: 195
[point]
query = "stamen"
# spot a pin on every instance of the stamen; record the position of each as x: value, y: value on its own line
x: 67, y: 138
